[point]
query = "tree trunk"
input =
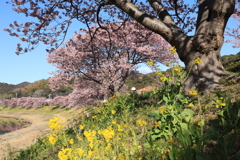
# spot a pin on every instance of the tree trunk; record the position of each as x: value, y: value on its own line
x: 206, y: 44
x: 204, y: 76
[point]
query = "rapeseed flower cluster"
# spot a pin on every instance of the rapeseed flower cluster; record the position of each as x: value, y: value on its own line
x: 198, y: 60
x: 220, y: 102
x: 55, y: 123
x: 177, y: 68
x: 120, y: 129
x: 91, y: 134
x: 80, y: 151
x: 150, y: 63
x: 162, y: 109
x: 141, y: 123
x: 156, y: 124
x: 65, y: 153
x: 81, y: 126
x: 53, y: 138
x: 163, y: 78
x: 173, y: 50
x: 108, y: 133
x: 193, y: 92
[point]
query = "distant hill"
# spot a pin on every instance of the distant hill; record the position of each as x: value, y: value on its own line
x: 231, y: 62
x: 5, y: 87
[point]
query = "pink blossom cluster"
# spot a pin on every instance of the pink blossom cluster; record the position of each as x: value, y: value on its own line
x: 59, y: 101
x: 31, y: 102
x: 25, y: 102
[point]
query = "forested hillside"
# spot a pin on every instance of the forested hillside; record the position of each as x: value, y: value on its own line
x: 231, y: 62
x: 5, y: 88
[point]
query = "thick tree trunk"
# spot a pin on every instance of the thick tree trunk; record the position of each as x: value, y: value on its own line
x: 206, y: 44
x: 205, y: 75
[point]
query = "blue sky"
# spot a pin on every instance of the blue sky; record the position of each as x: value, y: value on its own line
x: 33, y: 66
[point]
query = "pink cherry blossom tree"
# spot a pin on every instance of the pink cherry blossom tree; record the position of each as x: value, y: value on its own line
x: 235, y: 32
x: 101, y: 65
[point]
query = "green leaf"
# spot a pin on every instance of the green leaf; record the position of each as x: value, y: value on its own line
x: 184, y: 126
x: 165, y: 99
x: 210, y: 133
x: 188, y: 112
x: 231, y: 143
x: 154, y: 114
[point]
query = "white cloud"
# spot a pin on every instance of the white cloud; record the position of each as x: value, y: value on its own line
x: 144, y: 70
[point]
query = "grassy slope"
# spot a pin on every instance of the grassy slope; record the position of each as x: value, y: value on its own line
x: 147, y: 126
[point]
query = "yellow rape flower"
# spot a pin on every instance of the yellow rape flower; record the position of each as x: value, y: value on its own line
x: 198, y: 60
x: 119, y: 128
x: 90, y: 135
x: 190, y: 105
x: 81, y: 126
x: 156, y: 124
x: 108, y: 133
x: 177, y: 68
x: 80, y: 151
x: 173, y: 50
x: 113, y: 111
x: 54, y: 123
x: 90, y: 153
x: 71, y: 141
x: 200, y: 123
x: 53, y: 139
x: 162, y: 110
x: 150, y: 63
x: 164, y: 78
x: 94, y: 116
x: 141, y: 123
x: 193, y: 93
x: 65, y: 153
x: 114, y: 122
x: 223, y: 104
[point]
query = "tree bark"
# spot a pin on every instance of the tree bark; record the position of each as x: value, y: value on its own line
x: 206, y: 44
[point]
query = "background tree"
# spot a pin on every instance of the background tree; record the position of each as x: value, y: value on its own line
x: 170, y: 19
x: 101, y: 65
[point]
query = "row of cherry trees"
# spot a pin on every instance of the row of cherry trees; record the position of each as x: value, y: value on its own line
x: 31, y: 102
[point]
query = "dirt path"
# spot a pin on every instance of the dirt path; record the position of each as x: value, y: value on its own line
x: 20, y: 139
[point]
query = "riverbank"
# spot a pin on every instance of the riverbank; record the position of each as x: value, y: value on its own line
x: 10, y: 124
x: 12, y: 142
